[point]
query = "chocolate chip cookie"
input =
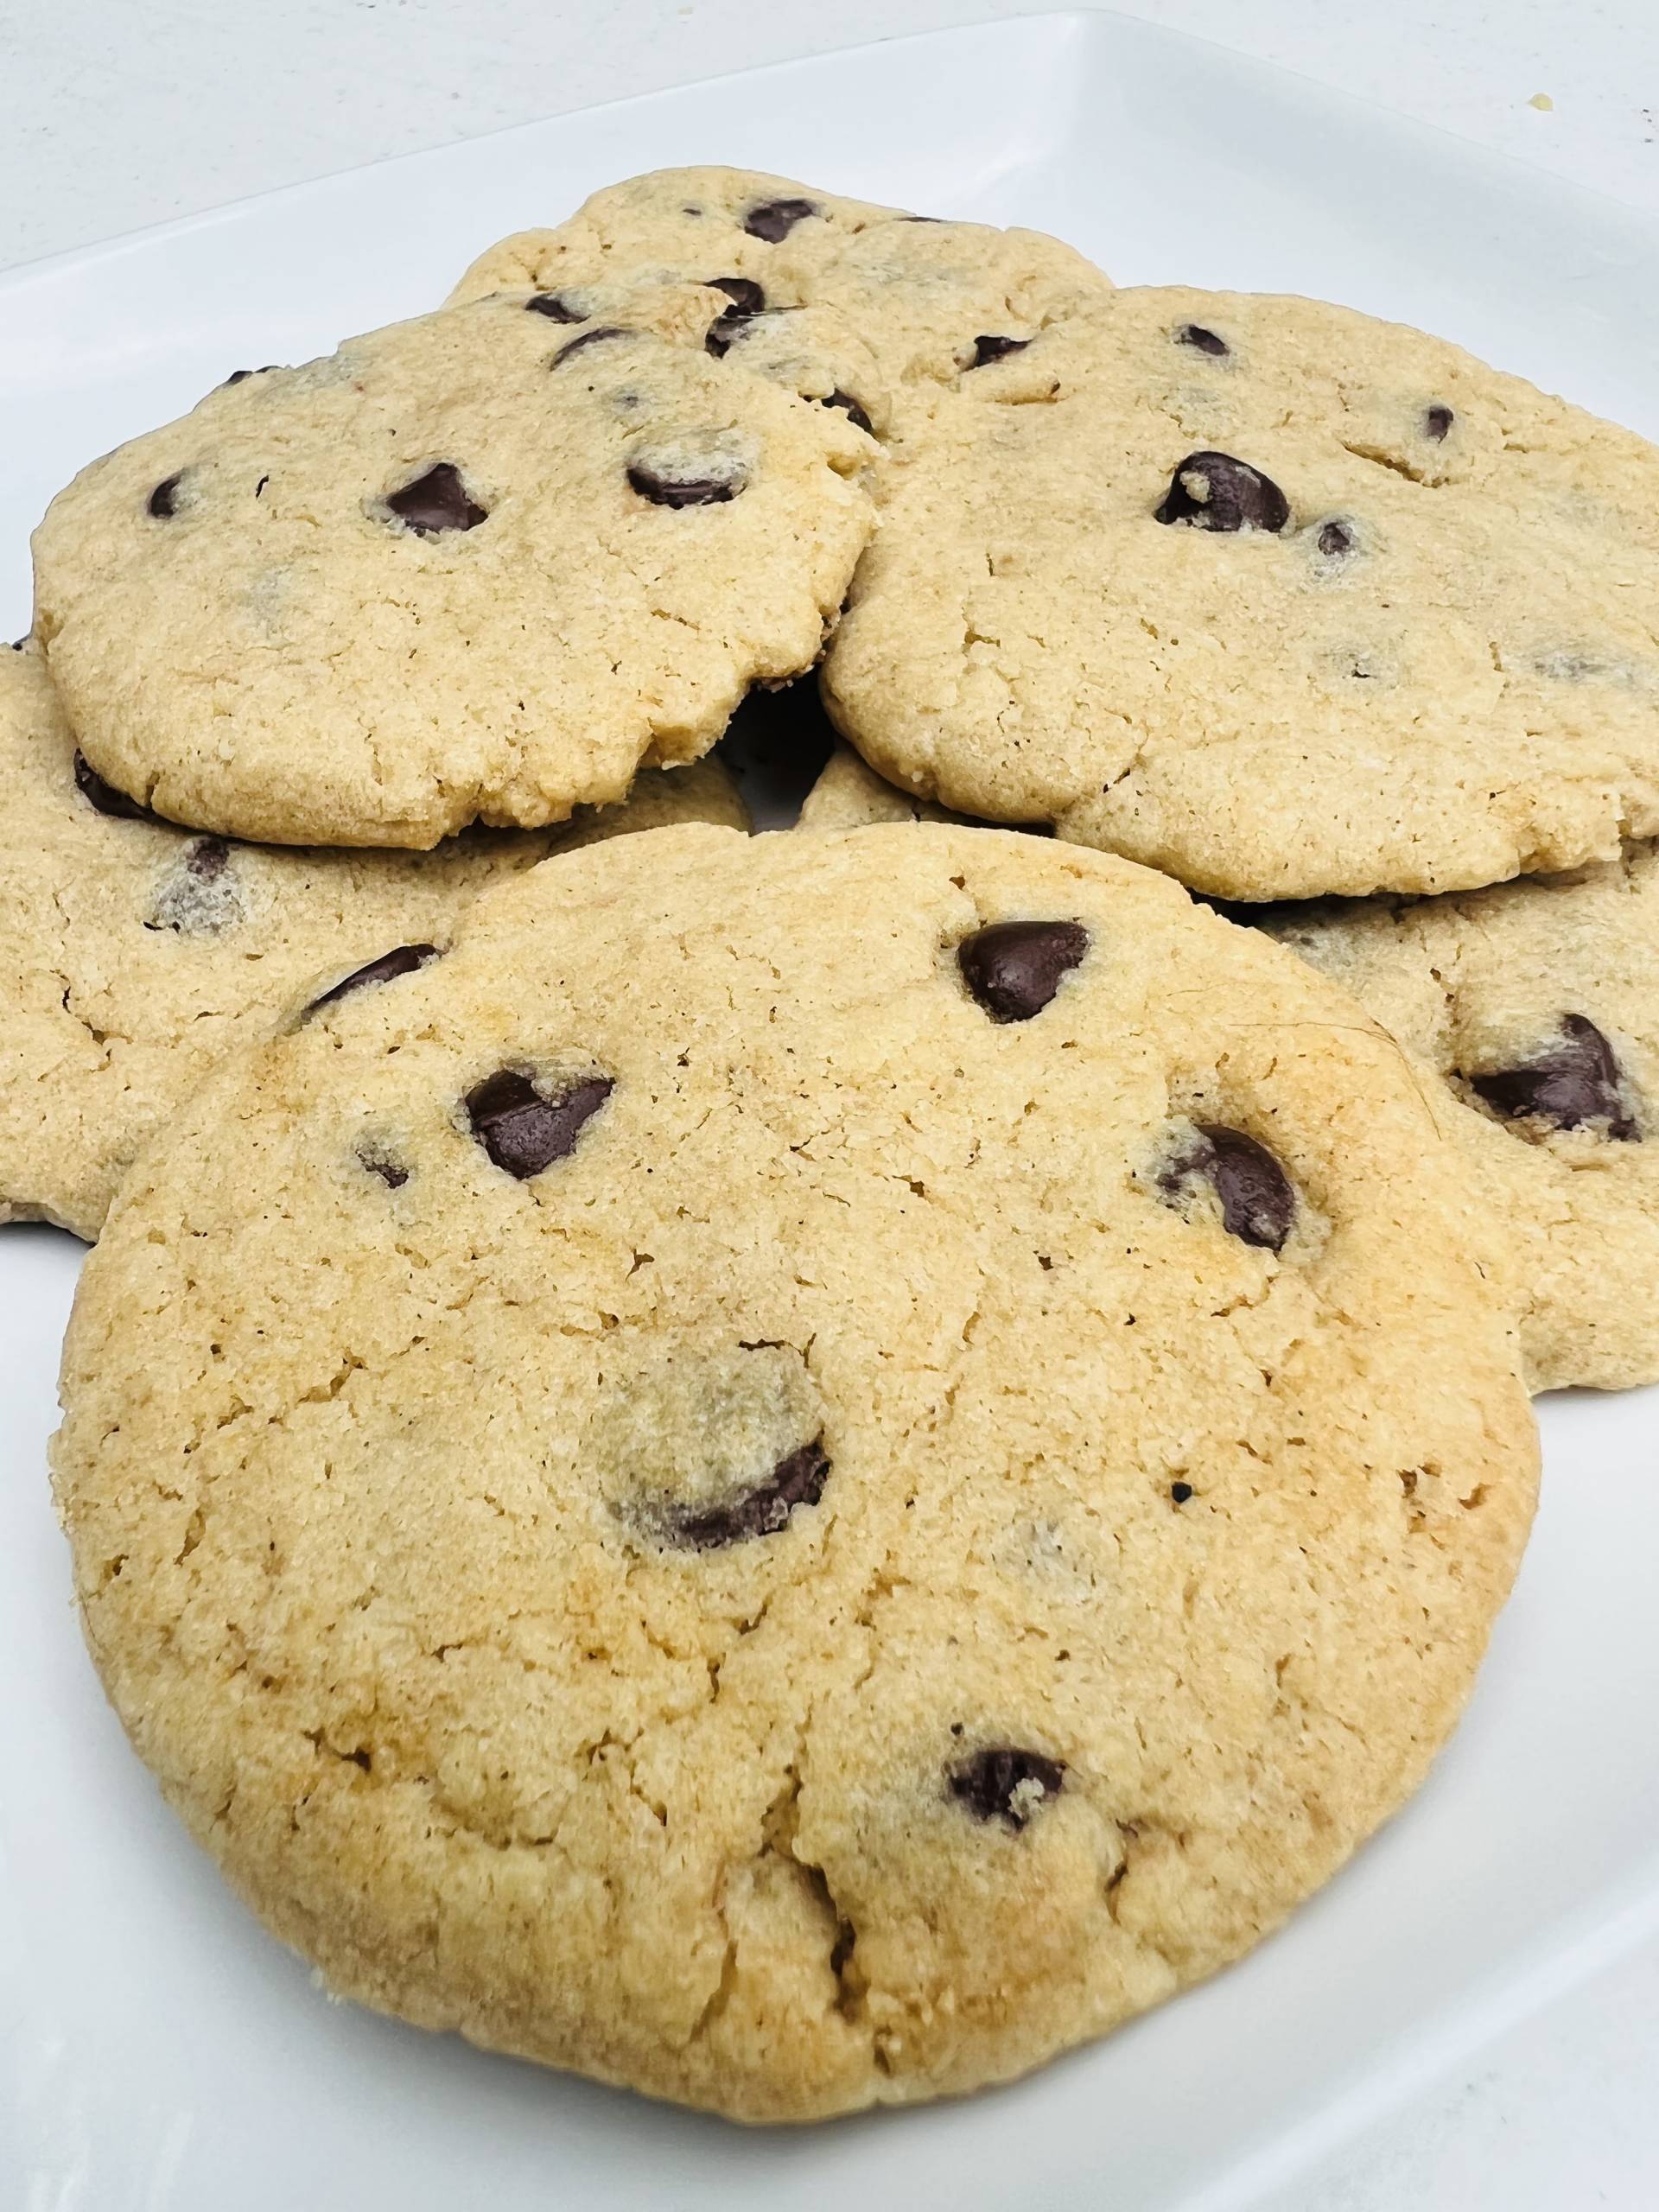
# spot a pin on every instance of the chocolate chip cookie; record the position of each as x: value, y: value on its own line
x: 796, y: 1481
x: 134, y: 955
x: 481, y: 566
x: 1533, y: 1010
x: 926, y: 299
x: 1282, y: 599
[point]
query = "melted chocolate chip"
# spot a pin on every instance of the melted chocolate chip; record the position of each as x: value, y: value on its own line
x: 553, y: 306
x: 1013, y: 968
x: 775, y: 218
x: 1336, y: 539
x: 851, y: 407
x: 1212, y: 490
x: 796, y: 1481
x: 241, y: 376
x: 522, y: 1130
x: 1436, y: 421
x: 988, y: 347
x: 1006, y: 1783
x: 1206, y: 342
x: 379, y: 1161
x: 1180, y: 1492
x: 436, y: 502
x: 589, y: 337
x: 1258, y: 1205
x: 403, y: 960
x: 1570, y: 1083
x: 163, y: 501
x: 199, y: 895
x: 746, y: 295
x: 682, y: 490
x: 207, y: 859
x: 104, y: 797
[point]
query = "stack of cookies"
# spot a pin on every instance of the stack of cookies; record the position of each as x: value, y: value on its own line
x: 798, y: 1471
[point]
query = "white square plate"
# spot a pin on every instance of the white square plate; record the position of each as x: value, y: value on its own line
x: 163, y: 2056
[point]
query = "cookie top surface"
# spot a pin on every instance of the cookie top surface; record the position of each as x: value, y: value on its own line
x: 1536, y: 1005
x: 1282, y: 599
x: 134, y: 955
x: 477, y: 566
x: 701, y: 223
x: 926, y: 299
x: 701, y: 1488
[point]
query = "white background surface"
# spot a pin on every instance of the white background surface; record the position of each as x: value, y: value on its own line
x: 114, y: 116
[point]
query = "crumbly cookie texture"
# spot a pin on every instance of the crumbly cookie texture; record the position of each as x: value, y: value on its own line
x: 796, y: 1488
x: 133, y: 955
x: 1530, y: 1013
x: 926, y: 299
x: 479, y: 566
x: 1280, y: 598
x: 1533, y: 1007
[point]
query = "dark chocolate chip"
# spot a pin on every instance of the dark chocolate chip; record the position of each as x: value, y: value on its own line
x: 775, y: 218
x: 1212, y: 490
x: 1013, y: 968
x: 163, y: 501
x: 553, y: 306
x: 1180, y: 1492
x: 746, y: 295
x: 1258, y: 1205
x: 241, y: 376
x: 1336, y: 539
x: 589, y: 337
x: 989, y: 348
x: 1206, y: 341
x: 403, y: 960
x: 436, y: 502
x: 207, y: 859
x: 921, y: 219
x: 379, y: 1161
x: 1006, y: 1783
x: 682, y: 490
x: 1570, y: 1083
x: 796, y: 1481
x: 522, y: 1130
x: 851, y: 407
x: 104, y: 797
x: 1436, y: 421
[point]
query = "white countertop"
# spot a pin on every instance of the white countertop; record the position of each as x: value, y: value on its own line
x: 114, y: 116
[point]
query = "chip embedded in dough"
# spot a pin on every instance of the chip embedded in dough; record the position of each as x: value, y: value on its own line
x: 482, y: 566
x: 1532, y: 1007
x: 1280, y: 598
x: 808, y: 1470
x: 134, y: 955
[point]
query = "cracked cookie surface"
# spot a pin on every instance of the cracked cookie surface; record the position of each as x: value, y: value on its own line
x: 1283, y: 599
x: 481, y: 566
x: 715, y: 1487
x: 1530, y: 1010
x: 1533, y: 1006
x: 134, y: 955
x: 924, y: 299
